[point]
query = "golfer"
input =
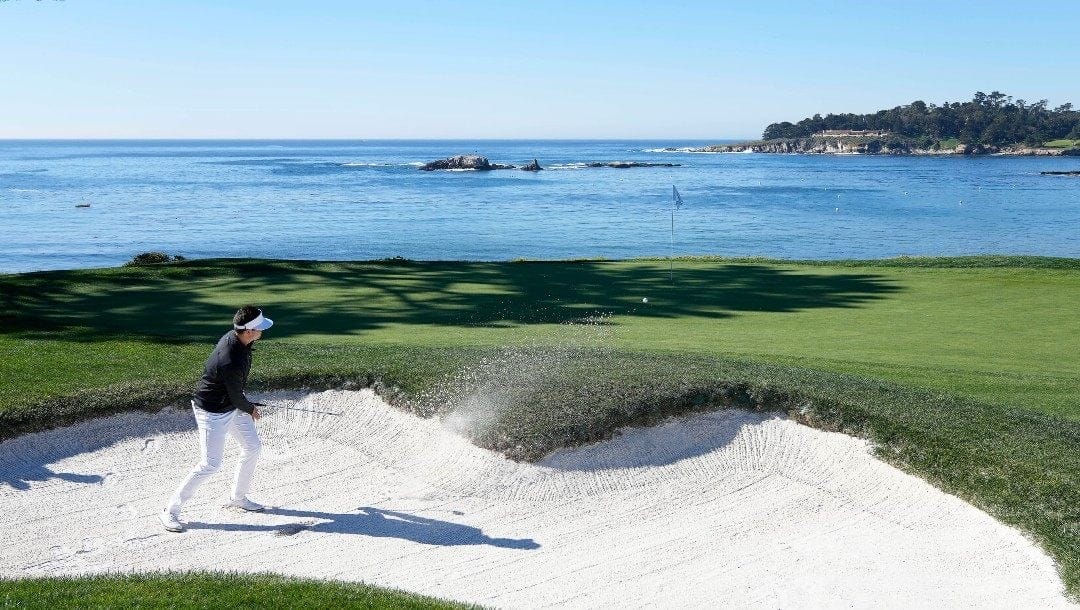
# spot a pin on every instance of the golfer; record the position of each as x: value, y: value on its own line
x: 221, y: 408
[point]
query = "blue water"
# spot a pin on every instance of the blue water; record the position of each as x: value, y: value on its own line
x: 338, y: 200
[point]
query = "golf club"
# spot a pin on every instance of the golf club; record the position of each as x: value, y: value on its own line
x: 260, y: 404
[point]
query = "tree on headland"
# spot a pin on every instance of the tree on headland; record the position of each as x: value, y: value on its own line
x: 989, y: 119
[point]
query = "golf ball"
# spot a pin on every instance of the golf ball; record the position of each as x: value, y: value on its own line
x: 645, y: 300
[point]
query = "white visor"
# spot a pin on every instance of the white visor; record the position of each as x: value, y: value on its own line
x: 259, y: 323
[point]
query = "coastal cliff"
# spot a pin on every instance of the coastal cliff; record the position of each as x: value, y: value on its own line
x: 989, y: 124
x: 872, y: 146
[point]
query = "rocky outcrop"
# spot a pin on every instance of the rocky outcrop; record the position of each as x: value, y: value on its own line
x: 474, y: 162
x: 826, y: 146
x: 1007, y: 151
x: 1072, y: 173
x: 870, y: 146
x: 1041, y: 152
x: 976, y: 149
x: 624, y: 164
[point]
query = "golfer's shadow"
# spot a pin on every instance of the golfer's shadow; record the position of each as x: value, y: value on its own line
x: 377, y: 523
x: 20, y: 477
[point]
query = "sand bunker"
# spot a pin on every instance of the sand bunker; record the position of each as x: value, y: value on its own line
x: 729, y: 508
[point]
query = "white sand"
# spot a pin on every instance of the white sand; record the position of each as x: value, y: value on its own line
x: 730, y: 508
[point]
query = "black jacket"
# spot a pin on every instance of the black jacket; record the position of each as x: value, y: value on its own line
x: 221, y: 388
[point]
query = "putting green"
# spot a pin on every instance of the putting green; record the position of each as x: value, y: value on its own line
x: 1005, y: 334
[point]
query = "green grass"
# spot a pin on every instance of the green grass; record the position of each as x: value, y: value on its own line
x: 1062, y: 144
x: 965, y: 371
x: 991, y: 332
x: 948, y: 144
x: 194, y: 590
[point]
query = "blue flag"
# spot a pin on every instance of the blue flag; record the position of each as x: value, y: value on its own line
x: 676, y: 197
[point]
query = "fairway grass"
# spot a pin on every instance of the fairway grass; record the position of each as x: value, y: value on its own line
x: 965, y: 371
x: 1065, y: 143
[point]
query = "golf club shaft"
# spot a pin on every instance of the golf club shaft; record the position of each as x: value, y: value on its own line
x: 301, y: 410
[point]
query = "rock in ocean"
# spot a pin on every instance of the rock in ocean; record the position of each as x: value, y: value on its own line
x: 464, y: 162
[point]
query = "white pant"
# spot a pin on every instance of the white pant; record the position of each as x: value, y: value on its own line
x: 213, y: 427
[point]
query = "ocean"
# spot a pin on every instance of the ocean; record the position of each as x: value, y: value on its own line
x: 352, y: 200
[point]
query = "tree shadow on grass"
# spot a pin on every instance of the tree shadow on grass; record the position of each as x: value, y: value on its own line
x: 376, y: 523
x: 195, y: 300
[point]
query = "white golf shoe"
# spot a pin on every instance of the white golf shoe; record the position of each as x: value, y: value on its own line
x: 170, y: 522
x: 245, y: 504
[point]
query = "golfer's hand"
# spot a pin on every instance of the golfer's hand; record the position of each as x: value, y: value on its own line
x: 255, y: 414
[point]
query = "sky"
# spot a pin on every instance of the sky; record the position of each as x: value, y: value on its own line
x: 573, y: 69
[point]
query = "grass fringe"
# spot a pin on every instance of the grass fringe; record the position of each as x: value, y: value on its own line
x: 204, y: 590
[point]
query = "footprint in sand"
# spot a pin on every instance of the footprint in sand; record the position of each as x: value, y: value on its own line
x: 67, y: 553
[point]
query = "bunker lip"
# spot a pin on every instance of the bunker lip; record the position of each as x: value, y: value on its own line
x: 729, y: 506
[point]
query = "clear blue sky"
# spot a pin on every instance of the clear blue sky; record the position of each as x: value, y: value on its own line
x: 420, y: 69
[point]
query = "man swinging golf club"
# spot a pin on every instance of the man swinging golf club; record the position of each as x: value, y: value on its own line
x: 221, y: 408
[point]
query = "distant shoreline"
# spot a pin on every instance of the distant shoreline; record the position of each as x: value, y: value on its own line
x: 859, y: 145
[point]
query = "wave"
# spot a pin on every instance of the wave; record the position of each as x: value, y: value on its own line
x: 254, y: 162
x: 380, y: 164
x: 686, y: 150
x: 683, y: 150
x: 693, y: 151
x: 22, y: 173
x: 719, y: 152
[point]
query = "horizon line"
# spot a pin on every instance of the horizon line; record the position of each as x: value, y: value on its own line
x: 350, y: 139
